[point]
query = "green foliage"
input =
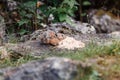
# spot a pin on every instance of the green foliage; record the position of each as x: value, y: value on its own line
x: 32, y: 16
x: 26, y: 11
x: 22, y: 22
x: 86, y: 3
x: 16, y: 61
x: 66, y: 10
x: 95, y: 75
x: 62, y: 11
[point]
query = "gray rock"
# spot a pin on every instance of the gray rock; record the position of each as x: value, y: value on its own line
x: 12, y: 5
x: 34, y: 36
x: 65, y: 28
x: 75, y: 26
x: 104, y: 23
x: 86, y: 28
x: 114, y: 35
x: 33, y: 48
x: 48, y: 69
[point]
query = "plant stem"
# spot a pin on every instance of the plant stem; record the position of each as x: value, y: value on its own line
x: 80, y: 9
x: 35, y: 17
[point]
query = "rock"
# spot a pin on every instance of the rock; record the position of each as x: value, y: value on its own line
x: 53, y: 68
x: 75, y: 26
x: 70, y: 43
x: 19, y: 49
x: 57, y: 30
x: 104, y: 22
x: 51, y: 37
x: 33, y: 48
x: 12, y: 5
x: 25, y: 38
x: 114, y: 35
x: 33, y: 36
x: 86, y: 28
